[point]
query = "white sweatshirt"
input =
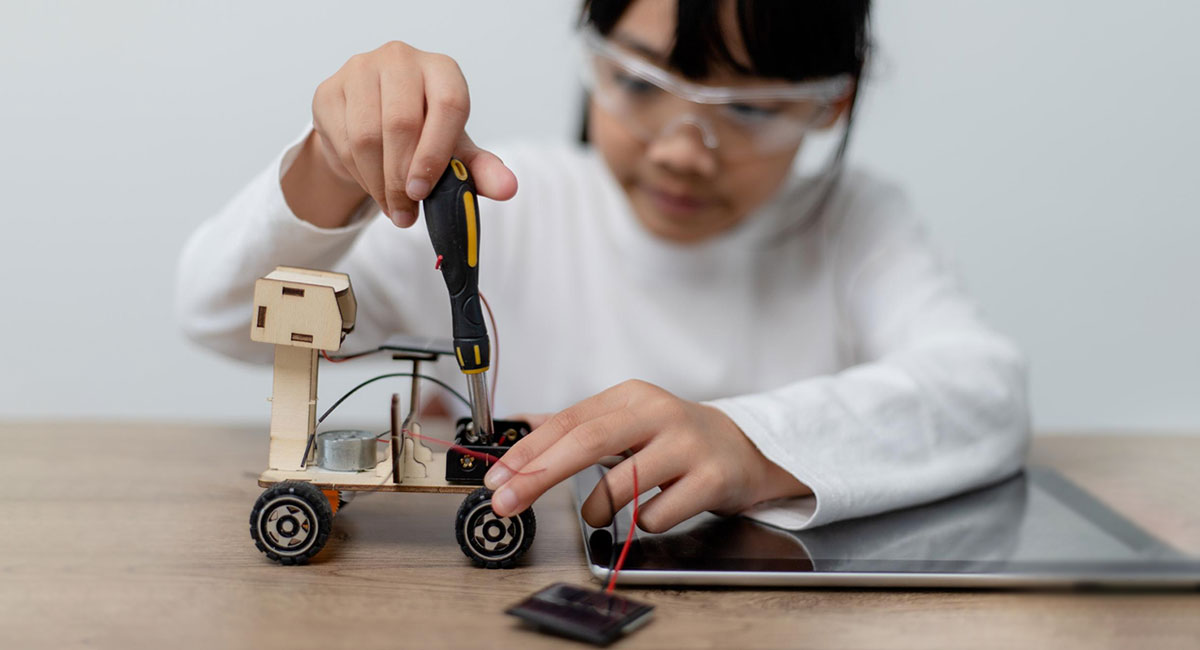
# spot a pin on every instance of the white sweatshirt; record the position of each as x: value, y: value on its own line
x: 842, y: 348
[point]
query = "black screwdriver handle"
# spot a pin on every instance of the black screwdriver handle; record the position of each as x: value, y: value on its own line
x: 452, y: 217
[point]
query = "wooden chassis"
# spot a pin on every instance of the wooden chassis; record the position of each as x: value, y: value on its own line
x: 370, y: 481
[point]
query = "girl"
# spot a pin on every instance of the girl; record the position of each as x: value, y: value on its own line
x: 800, y: 354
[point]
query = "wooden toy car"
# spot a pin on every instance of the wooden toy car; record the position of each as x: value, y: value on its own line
x: 304, y: 313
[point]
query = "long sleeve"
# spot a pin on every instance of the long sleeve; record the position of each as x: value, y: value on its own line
x: 936, y: 403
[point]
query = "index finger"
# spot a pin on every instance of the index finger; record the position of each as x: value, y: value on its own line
x: 580, y: 447
x: 447, y: 106
x: 402, y: 115
x: 549, y: 432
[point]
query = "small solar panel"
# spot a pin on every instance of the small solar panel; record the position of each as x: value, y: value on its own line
x: 583, y: 614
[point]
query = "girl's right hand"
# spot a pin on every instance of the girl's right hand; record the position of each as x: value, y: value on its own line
x: 386, y: 125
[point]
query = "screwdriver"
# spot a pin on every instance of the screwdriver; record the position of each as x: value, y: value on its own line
x: 452, y: 217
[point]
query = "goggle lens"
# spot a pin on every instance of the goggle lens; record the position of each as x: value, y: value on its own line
x: 639, y: 95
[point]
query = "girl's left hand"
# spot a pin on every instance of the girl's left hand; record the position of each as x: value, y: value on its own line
x: 695, y: 453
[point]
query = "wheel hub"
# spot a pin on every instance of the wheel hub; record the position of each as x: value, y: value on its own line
x: 287, y: 526
x: 491, y: 535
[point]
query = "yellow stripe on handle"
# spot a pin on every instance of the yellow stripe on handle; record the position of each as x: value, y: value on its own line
x: 460, y: 172
x: 477, y: 359
x: 472, y: 230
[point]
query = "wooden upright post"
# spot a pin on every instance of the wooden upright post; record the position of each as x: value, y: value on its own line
x: 293, y: 406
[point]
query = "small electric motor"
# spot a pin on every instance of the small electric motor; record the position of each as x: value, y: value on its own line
x: 347, y: 450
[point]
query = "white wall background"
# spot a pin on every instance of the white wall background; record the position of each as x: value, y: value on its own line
x: 1050, y: 146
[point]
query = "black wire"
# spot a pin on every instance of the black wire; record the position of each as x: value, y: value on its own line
x: 308, y: 445
x: 355, y: 355
x: 435, y: 380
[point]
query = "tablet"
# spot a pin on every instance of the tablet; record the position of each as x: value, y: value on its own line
x: 1035, y: 529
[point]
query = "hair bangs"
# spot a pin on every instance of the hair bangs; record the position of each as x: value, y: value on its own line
x: 795, y: 40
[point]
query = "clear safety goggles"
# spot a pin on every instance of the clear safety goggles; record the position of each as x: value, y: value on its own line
x: 740, y: 121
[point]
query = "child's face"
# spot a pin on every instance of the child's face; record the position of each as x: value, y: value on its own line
x: 680, y: 189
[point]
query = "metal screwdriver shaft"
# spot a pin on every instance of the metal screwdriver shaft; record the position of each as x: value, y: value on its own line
x: 481, y: 410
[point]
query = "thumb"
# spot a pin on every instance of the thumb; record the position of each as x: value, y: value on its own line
x: 493, y: 179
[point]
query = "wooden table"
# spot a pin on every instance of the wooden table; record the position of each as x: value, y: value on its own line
x: 136, y: 535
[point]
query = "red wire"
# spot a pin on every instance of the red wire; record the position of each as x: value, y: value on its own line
x: 612, y: 581
x: 327, y: 358
x: 495, y: 350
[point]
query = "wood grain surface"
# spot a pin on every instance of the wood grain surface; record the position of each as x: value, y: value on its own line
x: 123, y: 535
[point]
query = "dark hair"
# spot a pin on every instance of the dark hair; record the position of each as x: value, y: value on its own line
x: 786, y: 39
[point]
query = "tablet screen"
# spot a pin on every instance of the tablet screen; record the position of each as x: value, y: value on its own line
x: 1034, y: 523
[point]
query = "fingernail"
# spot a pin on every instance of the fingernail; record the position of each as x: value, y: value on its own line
x: 497, y: 476
x: 417, y: 188
x: 401, y: 218
x: 503, y: 502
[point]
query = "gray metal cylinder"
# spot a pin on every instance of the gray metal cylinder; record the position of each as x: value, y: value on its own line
x: 347, y: 450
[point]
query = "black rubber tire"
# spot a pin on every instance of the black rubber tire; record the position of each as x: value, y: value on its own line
x: 476, y: 513
x: 291, y: 522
